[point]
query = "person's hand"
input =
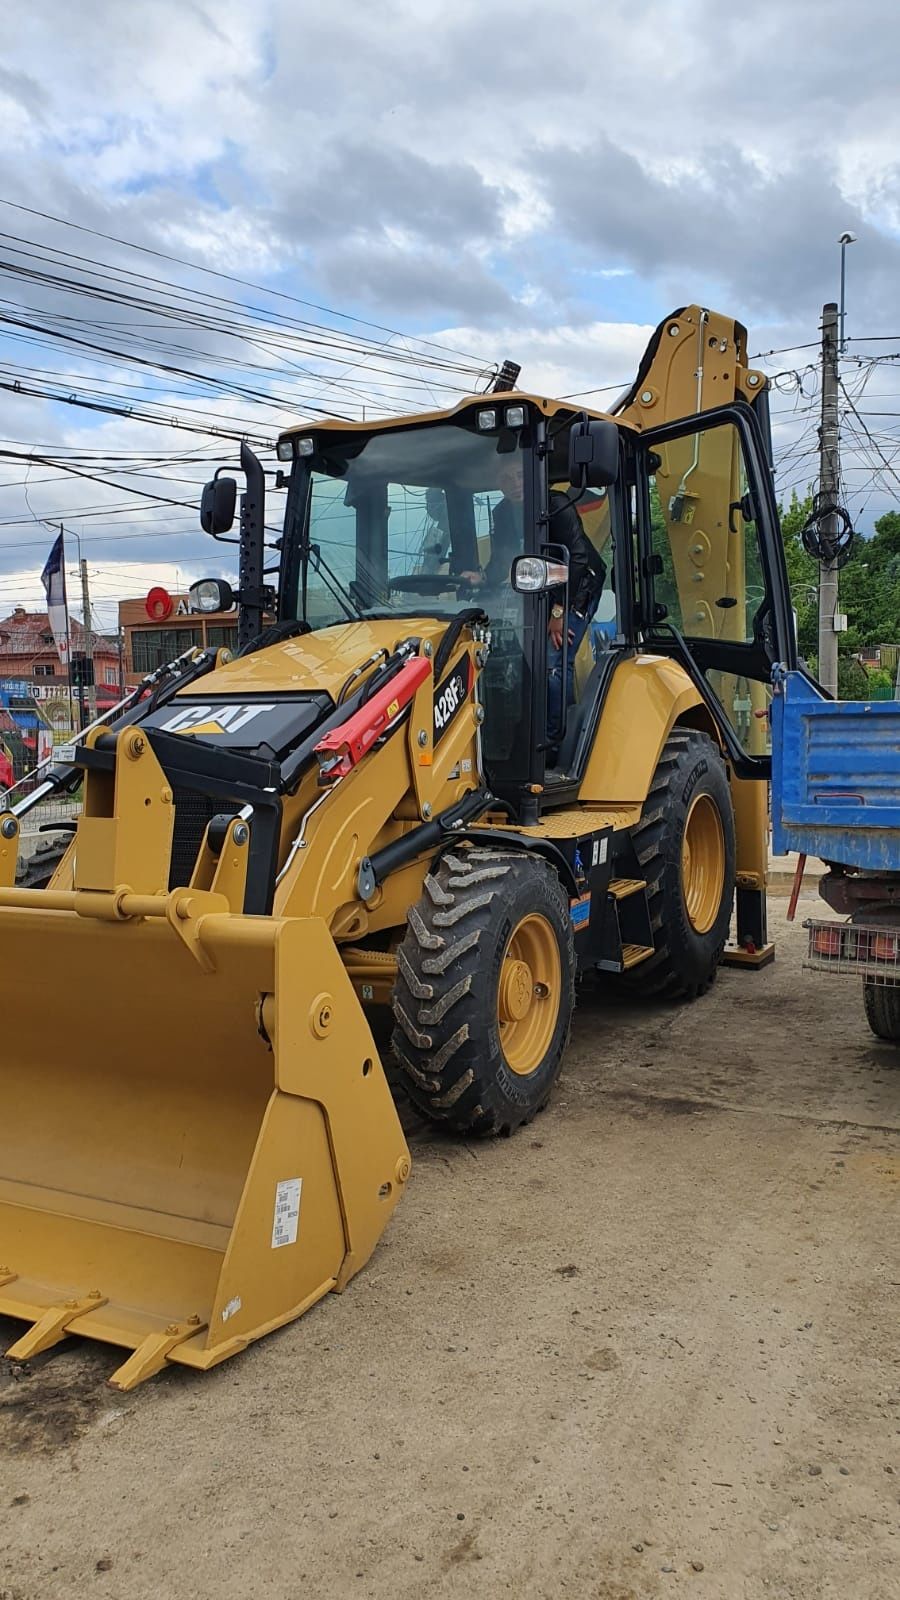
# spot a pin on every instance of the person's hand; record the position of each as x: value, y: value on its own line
x: 555, y: 630
x: 473, y: 578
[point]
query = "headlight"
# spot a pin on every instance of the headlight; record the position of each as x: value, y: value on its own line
x: 487, y: 420
x: 534, y: 574
x: 514, y: 416
x: 529, y: 575
x: 284, y: 449
x: 305, y: 447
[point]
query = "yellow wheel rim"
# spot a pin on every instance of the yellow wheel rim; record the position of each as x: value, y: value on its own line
x: 703, y: 863
x: 528, y: 995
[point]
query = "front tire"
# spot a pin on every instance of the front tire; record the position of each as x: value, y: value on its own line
x: 485, y: 991
x: 685, y: 845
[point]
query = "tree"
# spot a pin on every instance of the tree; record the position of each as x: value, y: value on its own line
x: 853, y: 680
x: 803, y: 572
x: 869, y: 589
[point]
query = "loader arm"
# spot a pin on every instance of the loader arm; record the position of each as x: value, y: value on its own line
x: 242, y: 1153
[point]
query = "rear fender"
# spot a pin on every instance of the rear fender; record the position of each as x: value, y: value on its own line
x: 647, y: 698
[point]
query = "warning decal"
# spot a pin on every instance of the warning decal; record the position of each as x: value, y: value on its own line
x: 580, y: 912
x: 286, y: 1220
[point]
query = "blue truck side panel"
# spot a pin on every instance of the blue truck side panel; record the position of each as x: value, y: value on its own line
x: 835, y: 776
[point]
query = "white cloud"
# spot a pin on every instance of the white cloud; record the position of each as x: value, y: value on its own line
x: 503, y: 181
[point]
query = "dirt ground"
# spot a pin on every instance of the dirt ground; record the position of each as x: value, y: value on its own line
x: 649, y: 1346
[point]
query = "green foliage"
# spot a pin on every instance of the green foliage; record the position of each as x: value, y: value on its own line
x: 803, y: 574
x: 869, y: 585
x: 853, y: 680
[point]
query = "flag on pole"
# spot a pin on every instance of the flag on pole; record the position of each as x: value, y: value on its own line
x: 53, y: 578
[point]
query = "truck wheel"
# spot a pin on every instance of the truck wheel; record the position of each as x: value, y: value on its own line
x: 485, y: 991
x: 685, y: 844
x: 882, y: 1003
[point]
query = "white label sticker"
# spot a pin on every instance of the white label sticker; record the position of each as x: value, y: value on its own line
x: 232, y: 1308
x: 286, y: 1220
x: 603, y: 845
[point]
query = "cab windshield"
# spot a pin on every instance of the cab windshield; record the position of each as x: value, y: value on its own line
x: 410, y: 520
x: 420, y: 521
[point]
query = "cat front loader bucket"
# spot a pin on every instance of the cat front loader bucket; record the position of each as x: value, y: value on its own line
x: 198, y: 1138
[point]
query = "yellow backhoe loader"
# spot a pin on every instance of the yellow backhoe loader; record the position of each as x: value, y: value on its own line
x: 372, y: 810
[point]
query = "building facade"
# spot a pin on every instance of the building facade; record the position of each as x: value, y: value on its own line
x: 155, y: 630
x: 28, y: 654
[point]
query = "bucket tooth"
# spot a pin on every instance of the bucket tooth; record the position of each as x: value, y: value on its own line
x: 152, y: 1354
x: 52, y: 1327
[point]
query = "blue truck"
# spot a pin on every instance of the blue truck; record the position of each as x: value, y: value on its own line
x: 836, y: 796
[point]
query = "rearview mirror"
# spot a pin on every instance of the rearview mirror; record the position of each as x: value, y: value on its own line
x: 593, y: 454
x: 217, y: 506
x: 211, y: 594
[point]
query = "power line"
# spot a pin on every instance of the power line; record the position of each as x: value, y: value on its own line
x: 245, y: 283
x: 763, y: 355
x: 192, y: 505
x: 876, y: 446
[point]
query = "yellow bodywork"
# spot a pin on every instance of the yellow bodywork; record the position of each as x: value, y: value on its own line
x: 216, y: 1145
x: 648, y: 694
x: 210, y: 1145
x: 199, y: 1142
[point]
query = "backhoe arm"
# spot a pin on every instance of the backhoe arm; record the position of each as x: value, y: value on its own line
x: 696, y: 360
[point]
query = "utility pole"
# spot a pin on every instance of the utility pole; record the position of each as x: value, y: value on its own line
x: 829, y: 489
x: 90, y: 688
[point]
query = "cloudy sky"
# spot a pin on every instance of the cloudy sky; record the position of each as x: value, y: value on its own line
x: 497, y: 179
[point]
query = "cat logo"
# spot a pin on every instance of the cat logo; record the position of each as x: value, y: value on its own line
x: 204, y: 722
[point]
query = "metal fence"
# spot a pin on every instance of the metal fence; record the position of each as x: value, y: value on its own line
x: 50, y: 811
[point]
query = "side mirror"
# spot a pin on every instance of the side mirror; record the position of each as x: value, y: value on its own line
x: 535, y: 574
x: 211, y: 594
x: 217, y: 506
x: 593, y: 454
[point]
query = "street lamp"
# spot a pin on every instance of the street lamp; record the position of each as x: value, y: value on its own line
x: 843, y: 241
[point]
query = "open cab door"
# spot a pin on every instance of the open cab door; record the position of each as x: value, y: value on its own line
x: 713, y: 584
x: 714, y: 594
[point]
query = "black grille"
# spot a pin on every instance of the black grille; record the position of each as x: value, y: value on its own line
x: 192, y: 812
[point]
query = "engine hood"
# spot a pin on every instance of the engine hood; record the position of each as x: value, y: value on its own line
x: 264, y: 705
x: 313, y: 662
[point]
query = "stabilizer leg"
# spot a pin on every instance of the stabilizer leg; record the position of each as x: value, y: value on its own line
x: 752, y: 947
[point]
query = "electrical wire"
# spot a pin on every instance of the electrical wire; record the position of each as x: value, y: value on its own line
x: 161, y: 255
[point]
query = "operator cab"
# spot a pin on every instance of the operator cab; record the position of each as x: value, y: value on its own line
x: 450, y: 517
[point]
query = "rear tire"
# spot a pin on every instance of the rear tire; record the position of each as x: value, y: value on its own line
x: 690, y: 890
x: 485, y: 991
x: 882, y: 1007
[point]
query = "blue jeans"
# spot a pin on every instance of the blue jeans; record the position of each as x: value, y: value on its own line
x: 577, y: 627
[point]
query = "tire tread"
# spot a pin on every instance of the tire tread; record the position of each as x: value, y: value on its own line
x: 444, y: 1003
